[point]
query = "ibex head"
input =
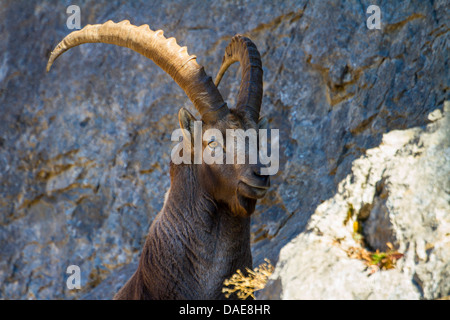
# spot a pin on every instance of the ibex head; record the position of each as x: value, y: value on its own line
x: 236, y: 185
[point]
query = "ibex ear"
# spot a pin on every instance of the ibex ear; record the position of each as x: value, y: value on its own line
x: 263, y: 123
x: 187, y: 120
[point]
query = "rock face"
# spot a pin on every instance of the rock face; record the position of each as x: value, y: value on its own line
x: 400, y: 193
x: 85, y: 149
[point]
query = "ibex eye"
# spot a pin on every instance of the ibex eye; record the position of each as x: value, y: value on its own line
x: 213, y: 144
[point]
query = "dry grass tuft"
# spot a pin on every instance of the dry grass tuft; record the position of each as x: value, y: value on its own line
x: 245, y: 285
x: 376, y: 260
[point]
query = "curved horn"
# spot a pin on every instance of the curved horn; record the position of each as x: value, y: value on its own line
x: 242, y: 49
x: 166, y: 53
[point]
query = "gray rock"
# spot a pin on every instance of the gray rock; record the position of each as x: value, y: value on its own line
x: 85, y: 149
x: 402, y: 188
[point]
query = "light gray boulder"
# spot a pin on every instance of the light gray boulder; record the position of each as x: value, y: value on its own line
x: 400, y: 193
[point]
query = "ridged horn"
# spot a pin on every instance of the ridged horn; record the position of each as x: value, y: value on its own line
x: 166, y: 53
x: 242, y: 49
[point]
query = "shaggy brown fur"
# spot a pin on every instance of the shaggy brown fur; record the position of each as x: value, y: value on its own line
x: 193, y: 245
x: 202, y: 234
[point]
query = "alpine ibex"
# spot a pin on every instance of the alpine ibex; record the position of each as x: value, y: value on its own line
x: 202, y: 234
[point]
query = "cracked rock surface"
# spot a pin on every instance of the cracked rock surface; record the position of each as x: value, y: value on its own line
x: 400, y: 193
x: 85, y: 149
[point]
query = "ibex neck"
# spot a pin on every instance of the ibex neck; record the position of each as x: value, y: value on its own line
x: 194, y: 243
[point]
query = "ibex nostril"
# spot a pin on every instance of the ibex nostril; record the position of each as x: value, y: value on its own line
x: 264, y: 180
x: 257, y: 172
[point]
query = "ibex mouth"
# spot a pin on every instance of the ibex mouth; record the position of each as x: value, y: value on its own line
x: 252, y: 191
x: 258, y: 187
